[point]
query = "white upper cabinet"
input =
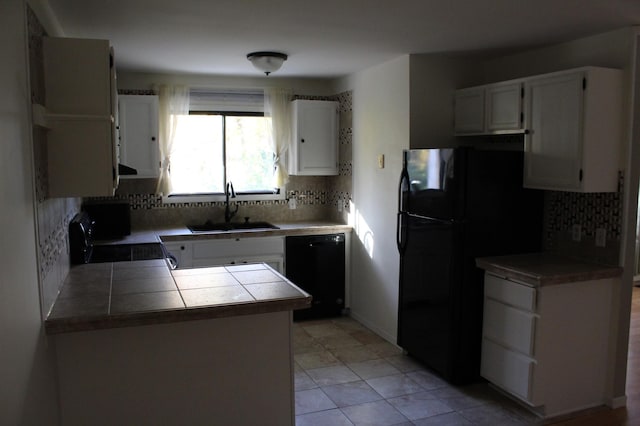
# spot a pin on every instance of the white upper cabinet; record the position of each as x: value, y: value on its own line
x: 491, y: 109
x: 314, y: 146
x: 138, y: 123
x: 79, y: 114
x: 573, y: 121
x: 504, y: 108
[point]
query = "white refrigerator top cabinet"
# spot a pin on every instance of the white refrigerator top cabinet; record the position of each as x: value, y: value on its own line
x: 489, y: 110
x: 79, y: 116
x: 138, y: 135
x: 314, y: 146
x: 574, y: 130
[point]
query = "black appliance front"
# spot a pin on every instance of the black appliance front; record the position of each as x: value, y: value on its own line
x: 431, y: 182
x: 426, y: 321
x: 440, y: 294
x: 111, y: 220
x: 126, y: 252
x: 316, y: 263
x: 80, y: 238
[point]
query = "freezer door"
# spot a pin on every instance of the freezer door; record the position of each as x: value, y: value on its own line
x: 435, y: 178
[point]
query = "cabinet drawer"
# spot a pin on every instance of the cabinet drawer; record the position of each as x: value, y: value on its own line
x: 509, y: 370
x: 509, y: 326
x: 274, y: 261
x: 510, y: 292
x: 234, y: 247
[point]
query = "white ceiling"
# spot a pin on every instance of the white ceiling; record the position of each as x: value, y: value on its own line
x: 325, y: 38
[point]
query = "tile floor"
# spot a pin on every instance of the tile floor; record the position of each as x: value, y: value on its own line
x: 347, y: 375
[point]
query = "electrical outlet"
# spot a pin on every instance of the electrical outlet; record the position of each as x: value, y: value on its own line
x: 601, y: 237
x: 576, y: 232
x: 293, y: 204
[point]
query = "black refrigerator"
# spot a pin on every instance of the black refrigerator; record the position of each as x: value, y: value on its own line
x: 455, y: 205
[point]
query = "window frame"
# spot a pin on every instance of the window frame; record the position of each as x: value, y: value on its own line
x: 280, y: 193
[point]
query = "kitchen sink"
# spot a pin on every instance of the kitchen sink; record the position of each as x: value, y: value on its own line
x: 209, y: 226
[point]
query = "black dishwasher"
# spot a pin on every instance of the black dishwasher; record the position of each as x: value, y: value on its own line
x: 315, y: 263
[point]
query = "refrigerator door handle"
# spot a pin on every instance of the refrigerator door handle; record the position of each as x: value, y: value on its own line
x: 404, y: 187
x: 401, y: 232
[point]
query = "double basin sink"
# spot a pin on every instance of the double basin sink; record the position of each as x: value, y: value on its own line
x: 209, y: 226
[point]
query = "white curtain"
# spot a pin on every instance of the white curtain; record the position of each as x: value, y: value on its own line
x: 277, y: 105
x: 173, y: 101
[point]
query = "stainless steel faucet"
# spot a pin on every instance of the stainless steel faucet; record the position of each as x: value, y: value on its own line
x: 229, y: 193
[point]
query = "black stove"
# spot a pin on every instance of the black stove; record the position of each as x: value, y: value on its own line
x: 126, y: 252
x: 84, y: 249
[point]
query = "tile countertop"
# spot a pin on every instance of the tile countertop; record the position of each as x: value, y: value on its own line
x: 122, y: 294
x: 540, y: 269
x: 182, y: 233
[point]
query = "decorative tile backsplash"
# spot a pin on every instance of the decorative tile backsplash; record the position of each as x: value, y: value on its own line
x: 591, y: 211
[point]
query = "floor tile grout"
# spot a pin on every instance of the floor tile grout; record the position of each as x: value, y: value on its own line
x: 476, y: 404
x: 404, y: 393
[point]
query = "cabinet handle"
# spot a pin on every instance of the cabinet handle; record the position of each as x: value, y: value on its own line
x: 302, y: 140
x: 153, y: 138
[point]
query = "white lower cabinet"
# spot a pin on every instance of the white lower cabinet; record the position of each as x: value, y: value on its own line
x: 182, y: 251
x: 547, y: 345
x: 229, y: 251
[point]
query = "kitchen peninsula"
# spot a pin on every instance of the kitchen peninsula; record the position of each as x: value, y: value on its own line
x: 138, y: 343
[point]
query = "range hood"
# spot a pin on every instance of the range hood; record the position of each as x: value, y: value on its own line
x: 126, y: 170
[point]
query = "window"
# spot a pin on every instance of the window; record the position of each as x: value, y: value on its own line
x: 212, y: 148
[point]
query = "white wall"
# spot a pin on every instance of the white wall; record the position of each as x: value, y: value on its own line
x: 407, y: 102
x: 434, y: 79
x: 28, y: 388
x: 380, y: 126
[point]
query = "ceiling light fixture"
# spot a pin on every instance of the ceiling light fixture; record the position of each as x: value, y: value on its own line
x: 267, y: 62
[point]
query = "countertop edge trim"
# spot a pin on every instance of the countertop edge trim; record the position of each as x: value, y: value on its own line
x: 55, y: 326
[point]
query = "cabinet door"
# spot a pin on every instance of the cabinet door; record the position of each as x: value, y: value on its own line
x: 504, y: 108
x: 139, y: 134
x: 511, y: 327
x: 79, y: 78
x: 315, y: 138
x: 553, y: 144
x: 469, y: 111
x: 80, y: 157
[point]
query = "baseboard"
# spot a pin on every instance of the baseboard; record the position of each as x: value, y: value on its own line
x: 617, y: 402
x: 386, y: 336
